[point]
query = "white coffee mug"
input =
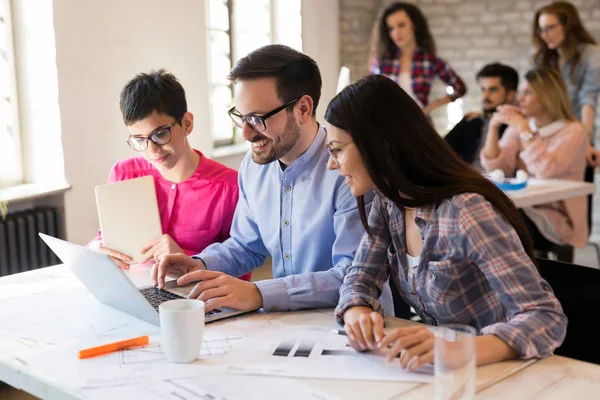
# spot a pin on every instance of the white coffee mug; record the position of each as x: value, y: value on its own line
x: 182, y: 327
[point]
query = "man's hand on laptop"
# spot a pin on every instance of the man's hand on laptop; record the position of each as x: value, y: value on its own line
x: 174, y: 265
x: 218, y: 290
x: 158, y: 248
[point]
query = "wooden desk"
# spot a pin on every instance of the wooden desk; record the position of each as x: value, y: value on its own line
x: 23, y: 331
x: 555, y: 377
x: 541, y: 191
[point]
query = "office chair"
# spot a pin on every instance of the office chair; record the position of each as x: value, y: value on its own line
x: 589, y: 177
x: 578, y: 290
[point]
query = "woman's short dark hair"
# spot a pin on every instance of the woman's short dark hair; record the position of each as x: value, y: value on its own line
x: 382, y: 46
x: 295, y: 73
x: 157, y: 91
x: 403, y: 153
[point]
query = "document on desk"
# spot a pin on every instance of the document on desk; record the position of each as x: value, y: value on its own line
x: 210, y: 387
x: 313, y: 352
x: 73, y: 312
x: 130, y: 365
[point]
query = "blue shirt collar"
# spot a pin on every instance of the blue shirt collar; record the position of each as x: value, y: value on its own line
x: 316, y: 147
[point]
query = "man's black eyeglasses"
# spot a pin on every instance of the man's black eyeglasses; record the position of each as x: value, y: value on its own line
x: 256, y: 122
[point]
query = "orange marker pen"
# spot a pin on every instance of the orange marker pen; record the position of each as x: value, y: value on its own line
x: 116, y: 346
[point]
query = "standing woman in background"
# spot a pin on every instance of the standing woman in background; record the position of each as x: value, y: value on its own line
x: 404, y: 51
x: 562, y: 42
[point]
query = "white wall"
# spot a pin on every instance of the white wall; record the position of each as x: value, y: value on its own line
x: 100, y: 45
x: 321, y: 41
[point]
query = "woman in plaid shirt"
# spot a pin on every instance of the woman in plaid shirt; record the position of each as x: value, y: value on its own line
x: 451, y: 242
x: 404, y: 51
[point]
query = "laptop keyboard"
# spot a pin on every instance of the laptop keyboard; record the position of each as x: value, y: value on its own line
x: 156, y: 296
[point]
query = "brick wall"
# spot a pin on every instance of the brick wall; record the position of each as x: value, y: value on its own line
x: 468, y: 34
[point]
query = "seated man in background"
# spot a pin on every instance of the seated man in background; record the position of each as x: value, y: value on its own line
x: 498, y: 84
x: 291, y: 207
x: 196, y: 195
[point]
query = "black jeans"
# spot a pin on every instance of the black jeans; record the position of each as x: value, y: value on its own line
x: 589, y: 177
x: 539, y: 241
x: 401, y: 309
x: 564, y: 253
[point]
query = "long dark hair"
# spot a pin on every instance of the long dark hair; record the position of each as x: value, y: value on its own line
x: 575, y: 34
x: 404, y: 154
x: 382, y: 46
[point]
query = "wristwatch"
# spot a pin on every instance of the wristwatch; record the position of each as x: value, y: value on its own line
x: 526, y: 136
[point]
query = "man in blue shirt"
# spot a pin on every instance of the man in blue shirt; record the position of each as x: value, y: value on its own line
x: 291, y: 207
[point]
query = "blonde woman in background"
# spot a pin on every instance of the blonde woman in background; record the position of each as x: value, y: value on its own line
x: 545, y: 139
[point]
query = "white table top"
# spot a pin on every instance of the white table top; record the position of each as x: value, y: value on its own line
x: 541, y: 191
x: 67, y: 311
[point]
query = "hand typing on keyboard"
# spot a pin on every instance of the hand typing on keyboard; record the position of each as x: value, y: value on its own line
x: 220, y: 290
x: 173, y: 265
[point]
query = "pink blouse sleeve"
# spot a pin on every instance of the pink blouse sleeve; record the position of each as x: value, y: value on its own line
x: 374, y: 66
x: 547, y: 163
x: 507, y: 160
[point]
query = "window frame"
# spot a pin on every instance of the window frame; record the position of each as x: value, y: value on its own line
x: 273, y: 5
x: 12, y: 99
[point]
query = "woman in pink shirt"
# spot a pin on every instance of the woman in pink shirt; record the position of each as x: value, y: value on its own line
x: 196, y: 196
x: 544, y: 139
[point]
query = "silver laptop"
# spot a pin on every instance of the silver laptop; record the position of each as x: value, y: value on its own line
x: 112, y: 287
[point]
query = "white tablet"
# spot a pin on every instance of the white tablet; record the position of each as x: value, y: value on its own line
x: 128, y: 214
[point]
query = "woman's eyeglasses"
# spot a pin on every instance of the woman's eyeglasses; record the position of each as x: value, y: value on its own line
x: 546, y: 29
x: 334, y: 152
x: 256, y: 122
x: 160, y: 136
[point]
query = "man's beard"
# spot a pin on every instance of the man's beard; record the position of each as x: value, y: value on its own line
x: 488, y: 112
x: 279, y: 146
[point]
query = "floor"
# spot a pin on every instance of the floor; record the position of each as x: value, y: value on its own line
x: 9, y: 393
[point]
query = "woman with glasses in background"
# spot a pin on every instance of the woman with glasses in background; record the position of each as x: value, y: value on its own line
x: 403, y: 49
x: 451, y: 241
x: 196, y: 196
x: 562, y: 42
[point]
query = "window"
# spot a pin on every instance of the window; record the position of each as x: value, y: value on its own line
x: 236, y: 27
x: 10, y: 147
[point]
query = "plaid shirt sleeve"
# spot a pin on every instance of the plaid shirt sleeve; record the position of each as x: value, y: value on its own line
x: 370, y: 269
x: 536, y: 323
x: 451, y: 78
x: 374, y: 68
